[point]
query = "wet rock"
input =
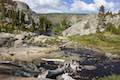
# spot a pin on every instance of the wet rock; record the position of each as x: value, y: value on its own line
x: 18, y: 69
x: 66, y: 77
x: 89, y: 67
x: 110, y: 55
x: 74, y: 65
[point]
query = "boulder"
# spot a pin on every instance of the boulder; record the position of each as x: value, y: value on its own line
x: 66, y: 77
x: 110, y: 55
x: 18, y: 43
x: 6, y: 40
x: 6, y: 35
x: 20, y: 36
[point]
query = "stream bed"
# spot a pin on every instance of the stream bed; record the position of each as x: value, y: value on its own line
x: 92, y: 65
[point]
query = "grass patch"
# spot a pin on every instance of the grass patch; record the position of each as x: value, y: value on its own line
x: 106, y: 42
x: 113, y: 77
x: 53, y: 41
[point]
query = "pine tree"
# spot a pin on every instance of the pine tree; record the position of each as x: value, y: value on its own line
x: 48, y: 25
x: 18, y: 17
x: 14, y: 17
x: 65, y: 23
x: 2, y: 10
x: 22, y: 17
x: 119, y: 12
x: 101, y: 17
x: 33, y: 29
x: 42, y: 26
x: 102, y: 10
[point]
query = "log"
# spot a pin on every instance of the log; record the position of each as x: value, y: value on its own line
x: 57, y: 60
x: 52, y: 74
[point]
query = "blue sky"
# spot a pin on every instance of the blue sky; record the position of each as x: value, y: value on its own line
x: 72, y: 6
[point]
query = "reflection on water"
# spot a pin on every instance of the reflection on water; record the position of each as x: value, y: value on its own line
x: 105, y: 66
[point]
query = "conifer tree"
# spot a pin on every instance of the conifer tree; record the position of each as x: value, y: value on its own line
x: 119, y: 12
x: 2, y: 9
x: 42, y: 26
x: 33, y: 29
x: 22, y: 17
x: 14, y: 17
x: 18, y: 17
x: 101, y: 17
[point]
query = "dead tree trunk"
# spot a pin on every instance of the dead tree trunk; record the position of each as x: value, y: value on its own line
x: 52, y: 74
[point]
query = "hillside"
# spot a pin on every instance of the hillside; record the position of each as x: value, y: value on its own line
x: 57, y: 17
x: 17, y: 15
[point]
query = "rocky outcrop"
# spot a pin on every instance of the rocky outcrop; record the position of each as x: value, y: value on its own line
x: 27, y: 39
x: 86, y: 26
x: 89, y: 24
x: 22, y: 6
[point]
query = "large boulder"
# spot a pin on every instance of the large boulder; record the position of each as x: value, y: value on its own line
x: 86, y: 26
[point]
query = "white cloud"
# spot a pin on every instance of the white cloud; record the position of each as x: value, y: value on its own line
x: 49, y: 3
x: 46, y: 6
x: 48, y: 10
x: 79, y: 6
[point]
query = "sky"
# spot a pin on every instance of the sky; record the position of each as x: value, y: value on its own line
x: 72, y: 6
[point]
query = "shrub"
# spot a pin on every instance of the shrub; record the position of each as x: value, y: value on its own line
x: 113, y: 29
x: 53, y: 41
x: 44, y: 25
x: 64, y: 24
